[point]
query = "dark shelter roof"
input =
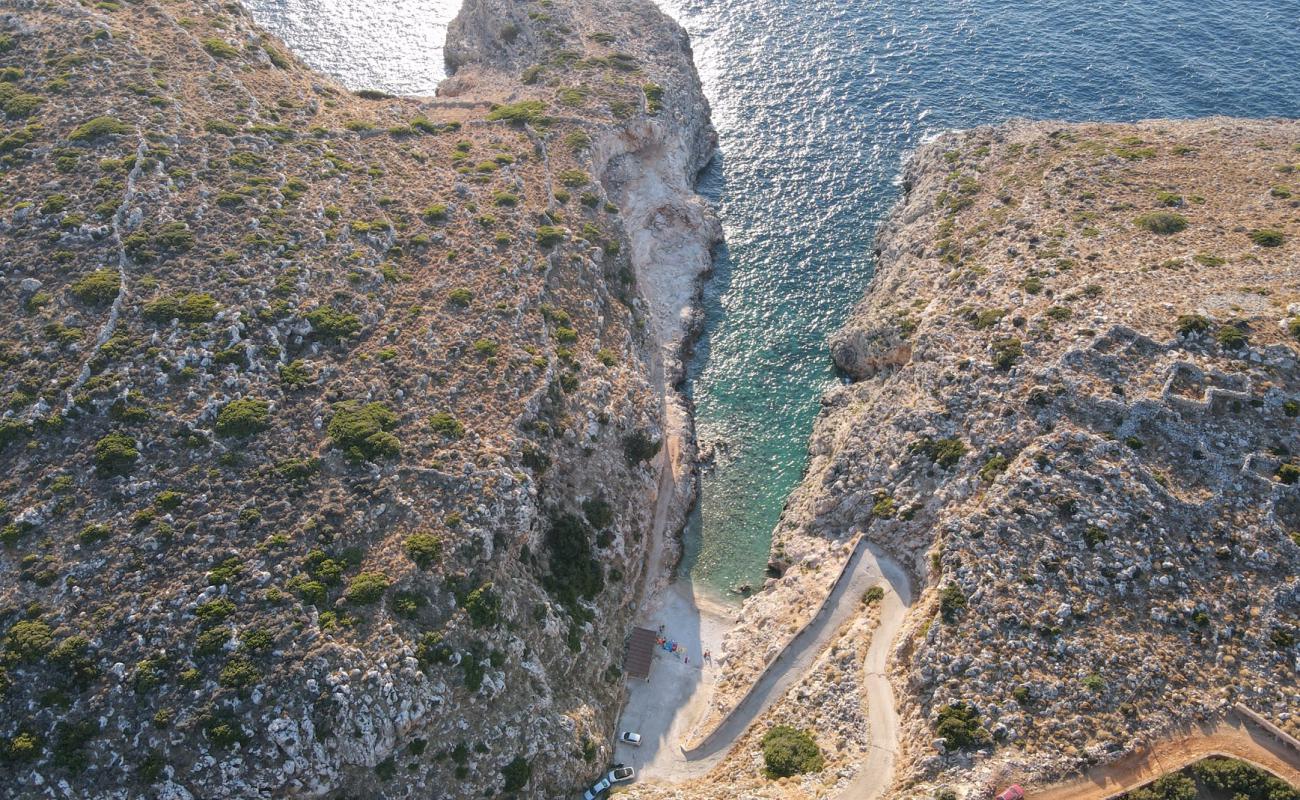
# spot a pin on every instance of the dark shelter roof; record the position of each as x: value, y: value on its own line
x: 640, y: 652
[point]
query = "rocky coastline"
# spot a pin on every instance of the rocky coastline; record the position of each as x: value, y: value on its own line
x: 1069, y: 414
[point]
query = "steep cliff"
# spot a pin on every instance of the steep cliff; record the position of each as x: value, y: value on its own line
x: 332, y: 447
x: 1073, y: 412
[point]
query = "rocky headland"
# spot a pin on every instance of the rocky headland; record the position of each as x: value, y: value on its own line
x: 339, y: 429
x: 1072, y: 412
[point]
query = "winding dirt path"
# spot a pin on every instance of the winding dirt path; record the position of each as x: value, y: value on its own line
x: 661, y: 756
x: 1230, y: 736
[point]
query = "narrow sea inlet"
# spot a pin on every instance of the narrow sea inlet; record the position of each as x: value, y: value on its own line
x: 817, y: 103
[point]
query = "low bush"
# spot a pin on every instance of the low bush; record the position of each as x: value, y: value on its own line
x: 550, y: 235
x: 363, y: 432
x: 790, y: 751
x: 425, y: 549
x: 516, y: 774
x: 115, y: 454
x: 97, y: 127
x: 219, y: 48
x: 244, y: 417
x: 1162, y: 223
x: 446, y: 425
x: 944, y: 452
x: 638, y: 447
x: 951, y: 601
x: 1188, y: 324
x: 187, y: 307
x: 99, y: 288
x: 483, y: 606
x: 1006, y: 352
x: 959, y: 725
x: 331, y: 323
x: 1267, y: 237
x: 28, y: 640
x: 366, y: 588
x: 525, y: 112
x: 574, y: 571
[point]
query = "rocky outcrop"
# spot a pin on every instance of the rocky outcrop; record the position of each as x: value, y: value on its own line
x: 357, y: 490
x: 1073, y: 415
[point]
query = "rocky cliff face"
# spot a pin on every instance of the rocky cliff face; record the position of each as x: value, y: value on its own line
x: 332, y: 441
x: 1074, y: 413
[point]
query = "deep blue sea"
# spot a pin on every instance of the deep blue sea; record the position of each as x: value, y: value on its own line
x: 817, y: 103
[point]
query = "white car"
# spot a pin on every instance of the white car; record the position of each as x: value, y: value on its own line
x: 596, y: 791
x: 628, y: 737
x: 621, y: 774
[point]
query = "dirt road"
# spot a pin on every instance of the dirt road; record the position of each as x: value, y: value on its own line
x: 1228, y: 737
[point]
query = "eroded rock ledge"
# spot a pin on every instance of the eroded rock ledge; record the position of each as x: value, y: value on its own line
x: 1074, y: 414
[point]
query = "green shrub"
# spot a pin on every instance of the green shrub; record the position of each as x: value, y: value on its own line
x: 654, y: 97
x: 435, y: 213
x: 97, y: 127
x: 214, y: 611
x: 1229, y: 776
x: 638, y: 447
x: 943, y: 452
x: 525, y: 112
x: 99, y: 288
x: 1267, y: 237
x: 1169, y: 199
x: 1093, y: 536
x: 1188, y: 324
x: 239, y: 673
x: 790, y: 751
x: 159, y: 242
x: 28, y: 640
x: 1006, y: 352
x: 366, y: 588
x: 574, y: 571
x: 243, y: 417
x: 94, y: 532
x: 550, y: 235
x: 986, y: 318
x: 70, y: 740
x: 1163, y: 223
x: 483, y: 606
x: 873, y: 595
x: 461, y: 297
x: 363, y: 432
x: 959, y: 726
x: 1288, y: 474
x: 296, y: 375
x: 516, y: 774
x: 1175, y: 786
x: 115, y: 454
x: 574, y: 178
x: 598, y: 512
x: 995, y: 466
x: 1230, y: 337
x: 219, y: 48
x: 331, y: 323
x: 446, y: 425
x: 951, y: 601
x: 425, y: 549
x: 22, y: 746
x: 187, y: 307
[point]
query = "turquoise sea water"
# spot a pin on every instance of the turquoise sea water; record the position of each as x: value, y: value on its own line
x: 817, y: 103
